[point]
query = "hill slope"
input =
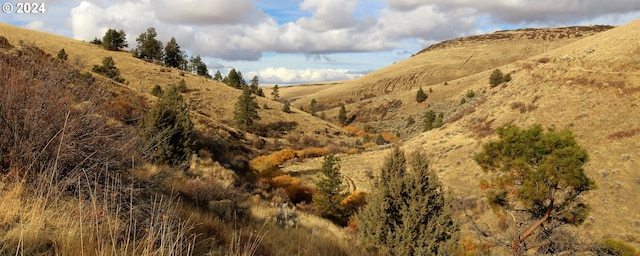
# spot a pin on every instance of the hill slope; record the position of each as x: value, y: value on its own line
x: 591, y: 86
x: 443, y: 62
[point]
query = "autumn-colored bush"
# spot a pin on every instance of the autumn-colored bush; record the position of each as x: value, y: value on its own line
x: 352, y: 151
x: 312, y: 152
x: 355, y: 201
x: 355, y: 131
x: 390, y: 137
x: 272, y: 161
x: 296, y: 191
x: 369, y: 144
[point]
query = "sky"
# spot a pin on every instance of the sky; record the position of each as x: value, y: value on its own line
x: 306, y: 41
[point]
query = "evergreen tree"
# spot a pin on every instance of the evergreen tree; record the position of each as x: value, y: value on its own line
x: 540, y: 172
x: 218, y: 76
x: 330, y: 191
x: 380, y: 140
x: 62, y: 55
x: 312, y: 107
x: 255, y: 88
x: 342, y: 115
x: 109, y: 69
x: 149, y: 47
x: 198, y: 67
x: 114, y: 40
x: 407, y: 214
x: 496, y: 78
x: 167, y: 130
x: 246, y: 110
x: 233, y: 79
x: 286, y: 107
x: 421, y: 96
x: 157, y: 91
x: 173, y: 56
x: 429, y: 120
x: 275, y: 93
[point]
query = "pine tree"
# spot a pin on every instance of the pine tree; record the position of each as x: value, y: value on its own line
x: 541, y: 172
x: 312, y: 107
x: 342, y: 115
x: 407, y: 214
x: 109, y: 69
x: 421, y: 96
x: 286, y: 107
x: 114, y: 40
x: 148, y: 47
x: 275, y: 93
x: 167, y: 130
x: 246, y: 110
x: 198, y: 67
x: 218, y: 76
x: 255, y: 88
x: 233, y: 79
x: 173, y: 56
x: 330, y: 191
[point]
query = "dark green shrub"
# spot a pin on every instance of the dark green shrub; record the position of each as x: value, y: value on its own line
x: 62, y: 55
x: 496, y: 78
x: 157, y: 91
x: 109, y: 70
x: 167, y: 131
x: 421, y: 96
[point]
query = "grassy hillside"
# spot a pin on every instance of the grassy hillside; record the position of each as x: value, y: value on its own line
x: 442, y: 62
x: 588, y: 84
x: 94, y: 192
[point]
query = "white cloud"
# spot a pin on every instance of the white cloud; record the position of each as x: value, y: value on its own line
x: 36, y: 25
x: 206, y: 12
x: 297, y: 76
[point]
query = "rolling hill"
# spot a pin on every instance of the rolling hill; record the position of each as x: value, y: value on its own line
x: 586, y: 79
x: 590, y: 85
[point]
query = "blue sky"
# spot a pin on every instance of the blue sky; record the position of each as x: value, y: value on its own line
x: 306, y: 41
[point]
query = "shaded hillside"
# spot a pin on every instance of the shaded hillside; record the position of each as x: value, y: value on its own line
x: 211, y: 102
x: 442, y: 62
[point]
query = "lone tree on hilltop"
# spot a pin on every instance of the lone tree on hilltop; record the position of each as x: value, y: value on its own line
x: 330, y: 191
x: 114, y: 40
x: 149, y: 47
x: 539, y: 177
x: 246, y: 110
x: 173, y: 56
x: 167, y: 130
x: 421, y: 96
x: 408, y: 214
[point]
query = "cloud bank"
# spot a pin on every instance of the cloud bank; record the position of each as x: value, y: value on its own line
x: 245, y: 30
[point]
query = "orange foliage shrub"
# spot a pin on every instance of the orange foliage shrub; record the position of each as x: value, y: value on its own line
x: 352, y: 151
x: 312, y: 152
x: 390, y: 137
x: 272, y: 161
x: 369, y: 144
x: 355, y: 201
x: 356, y: 131
x: 296, y: 191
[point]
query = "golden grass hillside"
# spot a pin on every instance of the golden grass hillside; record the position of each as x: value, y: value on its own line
x: 591, y: 86
x: 211, y: 102
x: 442, y: 62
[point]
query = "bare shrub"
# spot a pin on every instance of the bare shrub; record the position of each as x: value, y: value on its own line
x: 48, y: 124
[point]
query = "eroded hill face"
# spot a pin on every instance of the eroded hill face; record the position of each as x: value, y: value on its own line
x: 590, y: 86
